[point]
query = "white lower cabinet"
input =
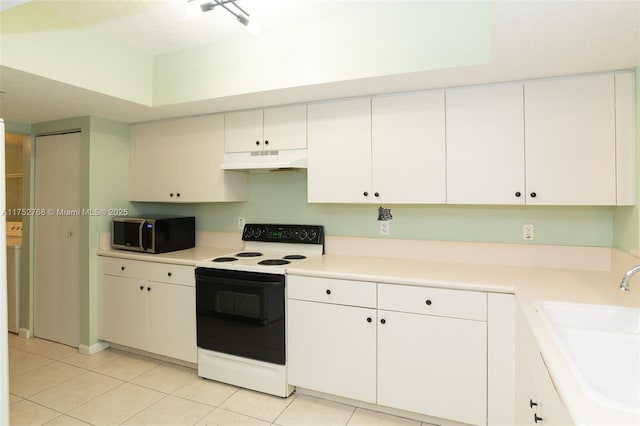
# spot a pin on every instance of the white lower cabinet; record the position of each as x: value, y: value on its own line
x: 537, y: 400
x: 394, y: 345
x: 333, y: 349
x: 433, y: 365
x: 139, y: 311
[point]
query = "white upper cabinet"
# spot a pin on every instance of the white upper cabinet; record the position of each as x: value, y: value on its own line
x: 485, y: 145
x: 408, y: 148
x: 153, y: 165
x: 339, y: 141
x: 277, y: 128
x: 563, y: 141
x: 570, y: 140
x: 179, y: 161
x: 386, y: 149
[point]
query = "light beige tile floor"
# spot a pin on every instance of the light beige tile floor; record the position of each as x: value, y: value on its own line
x: 53, y: 384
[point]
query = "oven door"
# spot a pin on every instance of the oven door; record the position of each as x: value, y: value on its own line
x: 241, y: 313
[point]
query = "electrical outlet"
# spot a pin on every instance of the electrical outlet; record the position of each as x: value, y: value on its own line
x: 385, y: 227
x: 241, y: 223
x: 528, y: 232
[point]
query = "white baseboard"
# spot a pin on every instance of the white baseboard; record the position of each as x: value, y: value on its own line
x: 95, y: 348
x: 24, y: 333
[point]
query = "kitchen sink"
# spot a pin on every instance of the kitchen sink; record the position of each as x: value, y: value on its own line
x: 601, y: 344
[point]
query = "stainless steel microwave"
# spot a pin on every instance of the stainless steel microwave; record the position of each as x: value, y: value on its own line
x: 154, y: 233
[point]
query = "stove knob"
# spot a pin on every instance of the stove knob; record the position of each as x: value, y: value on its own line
x: 313, y: 235
x: 303, y: 234
x: 286, y: 234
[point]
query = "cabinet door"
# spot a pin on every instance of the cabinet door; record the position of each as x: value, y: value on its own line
x: 122, y: 316
x: 570, y: 141
x: 433, y: 365
x: 285, y: 127
x: 339, y: 145
x: 332, y: 349
x: 243, y: 131
x: 172, y: 320
x: 200, y: 154
x: 485, y: 145
x: 408, y: 148
x: 153, y: 164
x: 536, y: 394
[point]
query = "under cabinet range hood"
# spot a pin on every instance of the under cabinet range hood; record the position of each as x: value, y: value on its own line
x: 265, y: 161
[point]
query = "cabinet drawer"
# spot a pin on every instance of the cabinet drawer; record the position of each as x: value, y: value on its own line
x: 433, y: 301
x: 170, y: 273
x: 122, y: 267
x: 341, y: 292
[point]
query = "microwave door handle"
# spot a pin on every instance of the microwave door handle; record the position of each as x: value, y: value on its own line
x: 140, y: 236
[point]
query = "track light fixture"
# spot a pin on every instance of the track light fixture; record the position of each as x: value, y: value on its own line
x: 197, y: 7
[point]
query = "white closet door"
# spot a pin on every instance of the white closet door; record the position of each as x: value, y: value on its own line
x: 57, y: 250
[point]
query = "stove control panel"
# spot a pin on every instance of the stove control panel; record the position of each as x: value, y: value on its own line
x: 305, y: 234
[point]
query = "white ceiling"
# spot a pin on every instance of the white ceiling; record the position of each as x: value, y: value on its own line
x: 530, y: 39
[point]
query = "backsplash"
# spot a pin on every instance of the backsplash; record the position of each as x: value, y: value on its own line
x: 282, y: 197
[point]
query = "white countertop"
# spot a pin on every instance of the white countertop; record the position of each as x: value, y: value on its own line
x: 187, y: 257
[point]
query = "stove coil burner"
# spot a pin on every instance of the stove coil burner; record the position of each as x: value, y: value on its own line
x: 273, y: 262
x: 249, y: 254
x: 224, y: 259
x: 294, y: 257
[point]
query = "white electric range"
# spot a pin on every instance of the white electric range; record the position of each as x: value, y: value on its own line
x: 241, y: 306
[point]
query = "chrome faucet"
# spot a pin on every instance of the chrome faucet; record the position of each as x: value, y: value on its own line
x: 624, y: 284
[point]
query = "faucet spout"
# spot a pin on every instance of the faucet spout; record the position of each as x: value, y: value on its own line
x: 624, y: 284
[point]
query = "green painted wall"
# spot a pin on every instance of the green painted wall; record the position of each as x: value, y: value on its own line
x: 38, y: 40
x: 282, y: 197
x: 377, y: 41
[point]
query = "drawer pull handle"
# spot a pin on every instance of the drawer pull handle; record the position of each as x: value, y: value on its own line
x: 369, y: 319
x: 536, y: 418
x: 383, y: 321
x: 328, y: 291
x: 532, y: 404
x: 428, y: 302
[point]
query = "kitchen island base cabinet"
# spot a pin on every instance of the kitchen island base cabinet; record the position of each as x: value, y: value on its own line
x: 138, y: 310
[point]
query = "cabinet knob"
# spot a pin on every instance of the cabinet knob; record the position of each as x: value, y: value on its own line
x: 266, y: 142
x: 328, y: 291
x: 536, y: 418
x: 122, y: 268
x: 428, y: 302
x: 518, y: 194
x: 532, y: 404
x: 369, y: 319
x: 141, y: 287
x: 169, y: 274
x: 365, y: 193
x: 257, y: 143
x: 533, y: 195
x: 171, y: 194
x: 377, y: 194
x: 148, y: 288
x: 383, y: 321
x: 178, y: 194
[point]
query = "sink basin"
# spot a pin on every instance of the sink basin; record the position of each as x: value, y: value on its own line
x: 601, y: 344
